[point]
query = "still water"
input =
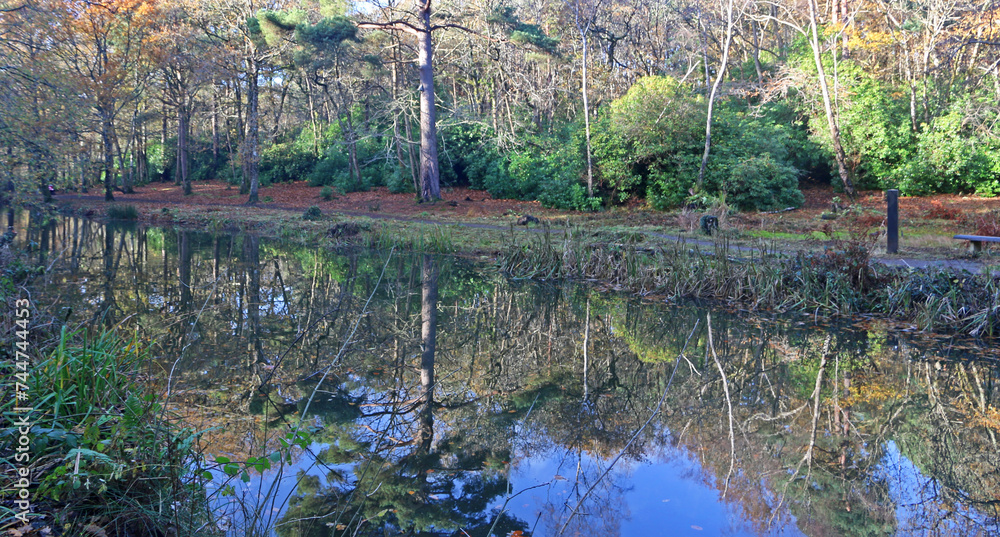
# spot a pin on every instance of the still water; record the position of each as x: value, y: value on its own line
x: 441, y: 398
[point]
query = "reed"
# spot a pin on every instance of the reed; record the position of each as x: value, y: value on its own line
x: 428, y: 238
x: 122, y: 211
x: 839, y: 282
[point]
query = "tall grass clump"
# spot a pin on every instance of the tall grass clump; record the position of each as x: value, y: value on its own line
x: 431, y: 238
x: 103, y: 459
x: 122, y: 211
x: 312, y: 213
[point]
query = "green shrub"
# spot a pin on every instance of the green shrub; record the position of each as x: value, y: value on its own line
x: 399, y: 181
x: 646, y: 144
x: 474, y: 159
x: 875, y: 131
x: 312, y: 213
x: 120, y: 211
x: 762, y: 183
x: 330, y: 169
x: 950, y: 158
x: 653, y: 142
x: 290, y: 160
x: 751, y: 162
x: 326, y: 193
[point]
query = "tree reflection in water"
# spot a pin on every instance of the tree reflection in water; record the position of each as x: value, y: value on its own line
x: 463, y: 393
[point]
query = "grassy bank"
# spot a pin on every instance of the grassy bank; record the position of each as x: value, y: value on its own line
x: 836, y: 278
x: 86, y: 449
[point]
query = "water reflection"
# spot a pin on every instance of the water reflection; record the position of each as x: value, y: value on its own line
x: 464, y: 402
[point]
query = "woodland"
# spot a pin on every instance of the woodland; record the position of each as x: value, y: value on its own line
x: 580, y: 104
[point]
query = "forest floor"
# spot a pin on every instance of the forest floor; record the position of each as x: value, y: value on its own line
x: 927, y: 224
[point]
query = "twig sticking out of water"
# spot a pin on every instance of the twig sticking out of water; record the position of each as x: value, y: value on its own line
x: 807, y: 458
x: 631, y: 440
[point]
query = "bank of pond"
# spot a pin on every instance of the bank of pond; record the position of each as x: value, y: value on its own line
x: 204, y: 384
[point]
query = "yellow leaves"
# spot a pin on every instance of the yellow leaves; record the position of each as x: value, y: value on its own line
x: 873, y: 394
x: 989, y: 418
x: 870, y: 40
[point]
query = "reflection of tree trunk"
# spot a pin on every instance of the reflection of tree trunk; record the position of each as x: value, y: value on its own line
x: 251, y: 247
x: 184, y: 271
x: 44, y: 246
x: 428, y: 333
x: 586, y: 345
x: 75, y: 251
x: 216, y: 252
x: 107, y: 307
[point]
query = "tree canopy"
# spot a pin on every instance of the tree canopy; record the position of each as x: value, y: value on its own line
x: 874, y: 95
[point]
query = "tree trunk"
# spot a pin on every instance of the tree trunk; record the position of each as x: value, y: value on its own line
x: 215, y: 126
x: 414, y: 175
x: 107, y: 143
x: 183, y: 120
x: 831, y: 120
x: 430, y: 173
x: 312, y: 113
x: 711, y: 95
x: 251, y: 142
x: 586, y: 116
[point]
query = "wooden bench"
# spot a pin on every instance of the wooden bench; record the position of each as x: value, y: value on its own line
x: 976, y: 241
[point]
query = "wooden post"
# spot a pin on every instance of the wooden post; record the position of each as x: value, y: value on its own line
x: 892, y: 221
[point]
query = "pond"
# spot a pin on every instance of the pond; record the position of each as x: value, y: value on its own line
x: 434, y: 396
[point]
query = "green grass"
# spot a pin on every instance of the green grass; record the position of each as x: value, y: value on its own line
x: 121, y: 211
x: 431, y: 238
x: 100, y: 448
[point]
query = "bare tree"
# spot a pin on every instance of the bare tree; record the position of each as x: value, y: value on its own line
x: 583, y: 18
x: 784, y: 15
x: 723, y: 63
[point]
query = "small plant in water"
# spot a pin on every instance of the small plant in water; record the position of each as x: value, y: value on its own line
x: 123, y: 212
x: 312, y: 213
